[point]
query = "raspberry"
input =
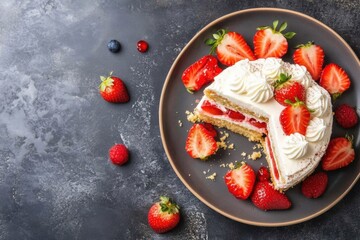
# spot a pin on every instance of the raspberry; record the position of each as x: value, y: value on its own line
x: 119, y: 154
x: 315, y: 185
x: 346, y: 116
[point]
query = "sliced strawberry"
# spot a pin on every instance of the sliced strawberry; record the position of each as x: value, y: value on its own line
x: 199, y: 143
x: 295, y: 118
x: 200, y: 73
x: 315, y: 185
x: 334, y: 79
x: 257, y: 124
x: 235, y: 115
x: 266, y: 197
x: 310, y: 56
x: 263, y: 174
x: 285, y: 89
x: 230, y: 47
x: 269, y: 42
x: 212, y: 131
x: 240, y: 181
x: 339, y: 153
x: 208, y: 107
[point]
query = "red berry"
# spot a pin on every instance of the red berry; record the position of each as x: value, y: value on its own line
x: 263, y: 174
x: 266, y: 197
x: 164, y: 215
x: 335, y: 80
x: 119, y: 154
x: 240, y: 181
x: 339, y: 153
x: 200, y: 142
x: 142, y: 46
x: 286, y: 89
x: 346, y: 116
x: 315, y: 185
x: 113, y: 89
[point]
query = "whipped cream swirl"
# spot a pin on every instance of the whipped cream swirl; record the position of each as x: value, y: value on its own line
x: 316, y: 130
x: 272, y: 68
x: 238, y: 79
x: 258, y: 89
x: 300, y: 74
x: 295, y: 146
x: 318, y: 101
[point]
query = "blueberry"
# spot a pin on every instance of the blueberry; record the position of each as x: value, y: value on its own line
x: 114, y: 46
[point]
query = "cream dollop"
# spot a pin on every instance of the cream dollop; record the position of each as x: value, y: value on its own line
x: 318, y: 101
x: 258, y: 89
x: 295, y: 146
x: 300, y: 74
x: 272, y: 67
x: 316, y: 130
x: 238, y: 78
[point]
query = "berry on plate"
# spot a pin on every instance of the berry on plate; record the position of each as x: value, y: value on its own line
x: 310, y: 56
x: 200, y: 73
x: 295, y: 118
x: 212, y: 131
x: 113, y: 89
x: 114, y: 46
x: 164, y: 215
x: 346, y: 116
x: 334, y: 79
x: 142, y: 46
x: 339, y: 153
x: 240, y: 181
x: 285, y: 89
x: 200, y: 143
x: 315, y: 185
x: 119, y: 154
x: 270, y: 42
x: 230, y: 47
x: 263, y: 174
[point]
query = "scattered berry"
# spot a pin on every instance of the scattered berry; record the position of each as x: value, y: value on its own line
x: 310, y: 56
x: 335, y: 80
x: 263, y: 174
x: 164, y: 215
x: 346, y: 116
x: 230, y: 47
x: 200, y: 73
x: 119, y: 154
x: 269, y: 42
x: 113, y: 89
x: 339, y: 153
x: 142, y: 46
x: 212, y: 131
x: 240, y: 181
x: 266, y: 197
x: 295, y: 118
x: 114, y: 46
x: 200, y: 143
x: 285, y: 89
x: 315, y: 185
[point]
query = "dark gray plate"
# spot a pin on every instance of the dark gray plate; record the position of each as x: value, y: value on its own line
x: 175, y: 100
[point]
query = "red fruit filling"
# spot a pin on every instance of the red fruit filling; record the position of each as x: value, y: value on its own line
x: 211, y: 108
x: 236, y: 115
x: 273, y: 163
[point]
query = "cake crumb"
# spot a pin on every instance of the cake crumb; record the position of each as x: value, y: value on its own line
x: 212, y: 176
x: 231, y: 165
x: 243, y: 154
x: 255, y: 155
x: 191, y: 117
x: 231, y: 146
x: 180, y: 123
x: 222, y: 165
x: 204, y: 172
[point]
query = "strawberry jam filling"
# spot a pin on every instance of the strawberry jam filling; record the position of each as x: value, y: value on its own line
x: 213, y: 109
x: 273, y: 163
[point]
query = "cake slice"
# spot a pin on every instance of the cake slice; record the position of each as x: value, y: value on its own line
x: 241, y: 99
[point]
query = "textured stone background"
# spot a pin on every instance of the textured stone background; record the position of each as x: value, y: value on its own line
x: 55, y: 179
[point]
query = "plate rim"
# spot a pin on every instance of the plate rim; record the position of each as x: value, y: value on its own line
x: 161, y: 116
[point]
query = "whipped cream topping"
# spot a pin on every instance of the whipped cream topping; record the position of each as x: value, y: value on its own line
x: 258, y: 88
x: 299, y: 73
x: 272, y: 67
x: 316, y: 130
x: 295, y: 146
x: 238, y: 79
x: 318, y: 101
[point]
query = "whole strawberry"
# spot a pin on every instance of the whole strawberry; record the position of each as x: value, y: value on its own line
x: 113, y: 89
x: 119, y: 154
x: 286, y: 89
x: 315, y: 185
x: 164, y: 215
x: 346, y: 116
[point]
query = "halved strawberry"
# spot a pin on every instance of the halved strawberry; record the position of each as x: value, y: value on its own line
x: 230, y: 47
x: 295, y: 118
x: 207, y: 106
x: 235, y: 115
x: 334, y: 79
x: 200, y: 73
x: 200, y: 143
x: 285, y: 89
x: 240, y: 181
x: 212, y: 131
x: 310, y: 56
x: 339, y: 153
x: 269, y: 42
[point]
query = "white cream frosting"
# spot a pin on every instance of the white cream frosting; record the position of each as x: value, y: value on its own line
x: 299, y: 73
x: 272, y: 68
x: 237, y: 81
x: 316, y: 130
x: 318, y: 101
x: 295, y: 146
x: 258, y: 89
